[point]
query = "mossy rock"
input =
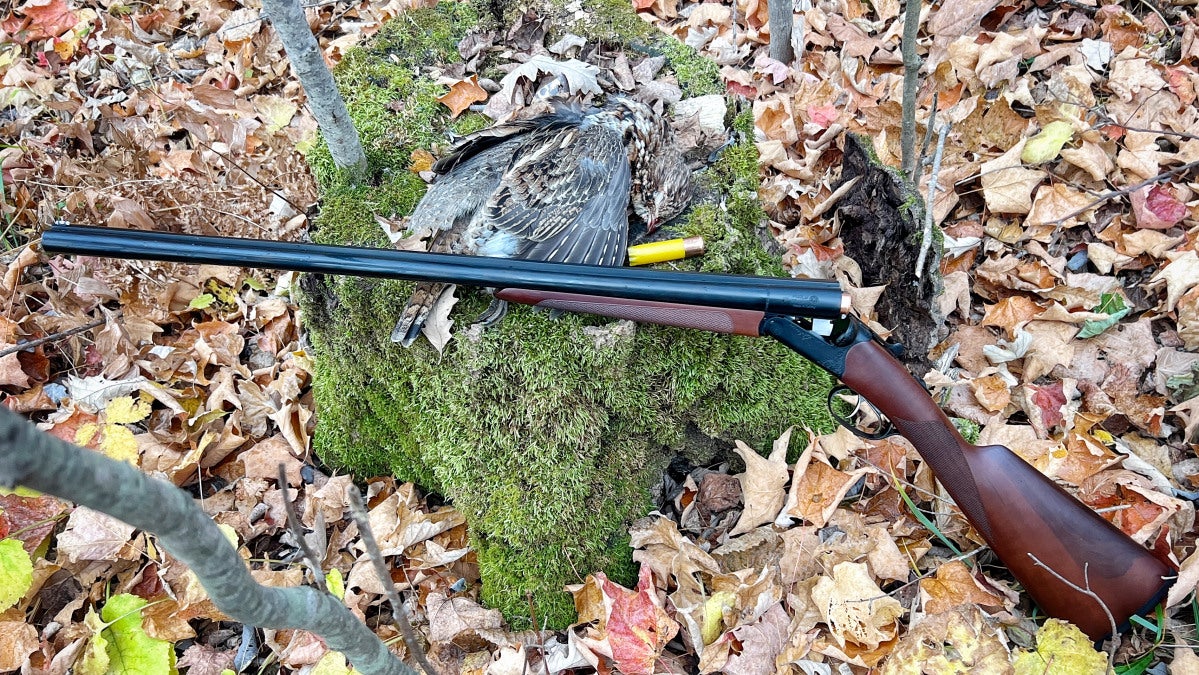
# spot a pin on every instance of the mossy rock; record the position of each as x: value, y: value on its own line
x: 547, y: 433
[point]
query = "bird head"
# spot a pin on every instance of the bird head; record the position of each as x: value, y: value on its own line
x: 666, y: 192
x: 661, y: 186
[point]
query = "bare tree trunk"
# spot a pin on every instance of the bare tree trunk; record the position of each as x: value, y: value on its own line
x: 781, y: 24
x: 50, y: 465
x: 327, y: 105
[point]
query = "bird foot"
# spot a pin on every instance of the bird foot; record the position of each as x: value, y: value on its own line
x: 493, y: 314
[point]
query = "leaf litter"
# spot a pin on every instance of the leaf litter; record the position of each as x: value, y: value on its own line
x: 1068, y: 201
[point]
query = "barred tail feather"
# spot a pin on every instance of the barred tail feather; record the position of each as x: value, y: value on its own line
x: 412, y: 320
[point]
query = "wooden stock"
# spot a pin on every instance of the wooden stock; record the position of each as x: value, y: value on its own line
x: 1023, y: 515
x: 715, y: 319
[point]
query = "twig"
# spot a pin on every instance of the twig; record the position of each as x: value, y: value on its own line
x: 398, y: 614
x: 1126, y: 190
x: 1163, y: 132
x: 297, y: 532
x: 932, y: 196
x: 1115, y: 640
x: 232, y: 162
x: 832, y: 199
x: 540, y: 642
x: 47, y: 464
x: 51, y: 338
x: 928, y: 139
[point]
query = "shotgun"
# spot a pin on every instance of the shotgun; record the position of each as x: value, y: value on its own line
x: 1074, y: 564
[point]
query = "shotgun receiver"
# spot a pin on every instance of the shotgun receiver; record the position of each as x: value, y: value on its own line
x: 1052, y: 543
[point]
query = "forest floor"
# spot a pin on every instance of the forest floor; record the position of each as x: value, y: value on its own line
x: 1069, y: 201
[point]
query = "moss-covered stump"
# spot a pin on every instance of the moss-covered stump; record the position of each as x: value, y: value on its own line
x: 547, y: 433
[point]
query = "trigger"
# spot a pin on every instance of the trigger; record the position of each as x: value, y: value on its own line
x: 896, y: 349
x: 885, y: 430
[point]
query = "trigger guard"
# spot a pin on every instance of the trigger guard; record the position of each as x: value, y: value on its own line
x: 887, y: 429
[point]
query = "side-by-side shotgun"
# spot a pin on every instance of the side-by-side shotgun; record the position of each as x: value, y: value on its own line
x: 1072, y: 562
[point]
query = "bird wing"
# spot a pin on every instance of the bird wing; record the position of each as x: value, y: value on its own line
x: 471, y: 173
x: 485, y: 139
x: 564, y: 196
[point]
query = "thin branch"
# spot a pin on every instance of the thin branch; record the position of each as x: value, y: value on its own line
x: 1114, y: 642
x: 932, y: 195
x: 47, y: 464
x: 928, y: 139
x: 536, y: 632
x: 297, y: 532
x: 1163, y: 132
x: 53, y: 337
x: 398, y: 614
x: 278, y: 192
x: 1126, y: 190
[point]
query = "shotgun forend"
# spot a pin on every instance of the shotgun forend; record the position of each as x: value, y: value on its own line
x: 1075, y: 564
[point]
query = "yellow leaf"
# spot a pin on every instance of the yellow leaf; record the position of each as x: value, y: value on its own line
x: 230, y: 534
x: 714, y: 608
x: 85, y: 433
x: 94, y: 660
x: 462, y: 94
x: 124, y: 410
x: 332, y: 663
x: 1062, y: 649
x: 961, y: 640
x: 335, y: 583
x: 1046, y: 145
x: 119, y: 444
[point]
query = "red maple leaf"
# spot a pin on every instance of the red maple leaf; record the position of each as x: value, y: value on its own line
x: 638, y: 627
x: 1049, y: 400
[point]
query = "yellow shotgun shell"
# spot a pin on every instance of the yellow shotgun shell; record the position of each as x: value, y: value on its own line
x: 661, y: 251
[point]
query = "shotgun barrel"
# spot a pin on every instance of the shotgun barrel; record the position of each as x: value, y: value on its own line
x: 799, y: 297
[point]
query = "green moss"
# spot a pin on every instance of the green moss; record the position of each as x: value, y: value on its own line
x: 967, y: 428
x: 697, y: 75
x: 546, y: 433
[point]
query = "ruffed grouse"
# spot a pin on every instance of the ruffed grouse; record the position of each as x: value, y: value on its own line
x: 556, y: 187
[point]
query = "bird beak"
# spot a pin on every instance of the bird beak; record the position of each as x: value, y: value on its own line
x: 652, y: 225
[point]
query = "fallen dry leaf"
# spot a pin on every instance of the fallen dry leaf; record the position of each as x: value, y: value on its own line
x: 855, y: 608
x: 1156, y: 208
x: 762, y: 485
x: 955, y: 586
x: 1007, y: 185
x: 91, y: 535
x: 20, y: 640
x: 1180, y: 274
x: 635, y: 627
x: 959, y: 640
x: 1011, y: 313
x: 462, y: 95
